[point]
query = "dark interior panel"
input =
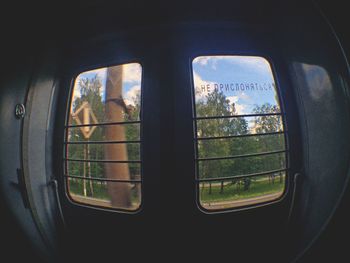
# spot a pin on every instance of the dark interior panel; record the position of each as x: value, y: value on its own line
x: 47, y: 46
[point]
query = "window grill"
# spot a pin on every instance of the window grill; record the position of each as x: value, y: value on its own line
x: 241, y: 177
x: 91, y: 178
x: 266, y: 158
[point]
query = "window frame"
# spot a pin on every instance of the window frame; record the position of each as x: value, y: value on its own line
x: 73, y: 76
x: 287, y: 180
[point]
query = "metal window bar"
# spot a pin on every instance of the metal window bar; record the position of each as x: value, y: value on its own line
x: 101, y: 161
x: 103, y: 124
x: 240, y: 176
x: 282, y: 115
x: 102, y: 179
x: 101, y: 142
x: 240, y: 156
x: 67, y: 142
x: 197, y: 139
x: 238, y: 136
x: 238, y: 116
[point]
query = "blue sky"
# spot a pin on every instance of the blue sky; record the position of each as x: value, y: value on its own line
x: 131, y: 81
x: 211, y: 71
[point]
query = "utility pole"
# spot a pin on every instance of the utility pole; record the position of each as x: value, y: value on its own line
x: 86, y: 116
x: 115, y: 112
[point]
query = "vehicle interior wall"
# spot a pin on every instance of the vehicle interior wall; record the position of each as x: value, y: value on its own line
x: 34, y: 31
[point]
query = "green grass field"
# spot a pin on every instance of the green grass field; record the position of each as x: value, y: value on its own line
x: 231, y: 192
x: 234, y: 192
x: 99, y: 190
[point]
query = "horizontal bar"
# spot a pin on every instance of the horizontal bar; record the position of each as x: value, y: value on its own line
x: 102, y: 179
x: 240, y: 156
x: 238, y: 136
x: 101, y: 161
x: 240, y: 176
x: 100, y: 142
x: 238, y: 116
x: 103, y: 124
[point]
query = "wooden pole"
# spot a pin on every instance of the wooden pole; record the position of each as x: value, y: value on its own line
x: 119, y: 192
x: 86, y: 119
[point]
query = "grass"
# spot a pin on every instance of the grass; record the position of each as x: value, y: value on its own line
x: 99, y: 190
x: 231, y: 192
x: 234, y: 192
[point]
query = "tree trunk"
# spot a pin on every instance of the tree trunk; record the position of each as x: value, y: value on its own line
x: 246, y: 184
x: 222, y: 187
x: 119, y: 192
x: 210, y: 188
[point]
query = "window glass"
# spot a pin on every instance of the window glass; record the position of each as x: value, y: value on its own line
x: 103, y: 157
x: 241, y: 155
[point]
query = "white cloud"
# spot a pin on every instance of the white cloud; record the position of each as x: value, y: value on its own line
x: 238, y: 107
x: 254, y: 63
x: 132, y: 73
x: 101, y: 73
x: 131, y: 95
x: 202, y: 94
x: 244, y: 96
x: 198, y: 82
x: 205, y: 60
x: 232, y: 99
x: 258, y: 64
x: 202, y: 60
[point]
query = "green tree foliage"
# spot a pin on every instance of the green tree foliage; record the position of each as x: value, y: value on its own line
x: 268, y: 124
x: 216, y: 104
x: 265, y: 124
x: 133, y: 134
x: 91, y: 90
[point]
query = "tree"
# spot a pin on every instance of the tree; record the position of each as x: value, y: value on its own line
x: 268, y: 124
x: 216, y: 104
x: 133, y: 134
x: 265, y: 124
x: 89, y: 90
